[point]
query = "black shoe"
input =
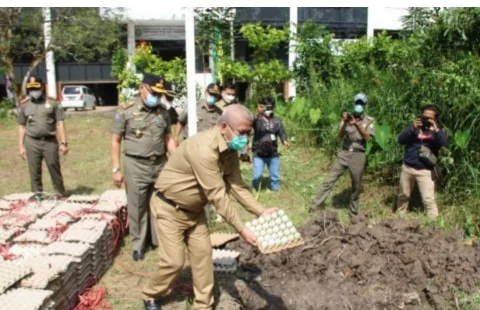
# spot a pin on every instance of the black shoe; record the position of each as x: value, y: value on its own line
x: 151, y: 304
x: 138, y: 255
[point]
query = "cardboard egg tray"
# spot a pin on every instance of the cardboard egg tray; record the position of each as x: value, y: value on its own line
x: 83, y: 199
x: 225, y: 260
x: 27, y: 250
x: 116, y: 196
x: 47, y: 222
x: 16, y: 219
x: 18, y: 196
x: 40, y: 208
x: 219, y: 239
x: 74, y: 234
x: 35, y: 236
x: 26, y: 299
x: 7, y: 234
x: 107, y: 207
x: 5, y: 205
x: 11, y: 272
x: 46, y: 270
x: 275, y: 232
x: 67, y: 248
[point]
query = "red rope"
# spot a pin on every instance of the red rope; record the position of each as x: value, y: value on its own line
x: 5, y: 252
x: 55, y: 232
x: 92, y: 298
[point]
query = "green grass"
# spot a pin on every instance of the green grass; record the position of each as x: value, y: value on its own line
x: 86, y: 169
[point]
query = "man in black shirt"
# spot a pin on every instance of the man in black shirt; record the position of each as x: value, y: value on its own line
x: 267, y: 128
x: 423, y: 140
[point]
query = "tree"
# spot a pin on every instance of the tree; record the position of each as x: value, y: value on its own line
x: 211, y: 24
x: 79, y: 33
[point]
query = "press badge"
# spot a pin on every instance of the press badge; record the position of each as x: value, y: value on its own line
x: 272, y: 136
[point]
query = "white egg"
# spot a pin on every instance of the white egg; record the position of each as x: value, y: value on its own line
x: 297, y: 235
x: 292, y: 230
x: 268, y: 217
x: 249, y: 225
x: 281, y: 212
x: 278, y: 221
x: 285, y: 218
x: 283, y: 226
x: 269, y: 230
x: 284, y: 240
x: 261, y: 220
x: 289, y: 224
x: 274, y: 215
x: 255, y: 222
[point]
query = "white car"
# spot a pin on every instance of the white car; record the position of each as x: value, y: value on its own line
x: 78, y: 97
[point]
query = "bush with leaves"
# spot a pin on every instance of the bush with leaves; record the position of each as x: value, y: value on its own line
x: 437, y: 65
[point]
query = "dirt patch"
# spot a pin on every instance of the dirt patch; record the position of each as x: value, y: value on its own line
x: 395, y: 264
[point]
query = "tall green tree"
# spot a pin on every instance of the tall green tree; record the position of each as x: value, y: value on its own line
x: 81, y: 34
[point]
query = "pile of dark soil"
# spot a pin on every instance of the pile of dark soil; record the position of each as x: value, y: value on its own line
x: 395, y: 264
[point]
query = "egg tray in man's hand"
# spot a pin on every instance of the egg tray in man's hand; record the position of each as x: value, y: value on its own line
x: 275, y: 232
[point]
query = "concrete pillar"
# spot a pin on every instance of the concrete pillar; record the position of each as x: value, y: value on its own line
x: 49, y: 58
x: 191, y: 83
x: 292, y: 55
x: 370, y: 25
x: 130, y: 42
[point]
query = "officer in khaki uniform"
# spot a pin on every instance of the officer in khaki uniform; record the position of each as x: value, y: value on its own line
x: 205, y: 167
x: 145, y: 127
x: 41, y: 125
x: 355, y: 130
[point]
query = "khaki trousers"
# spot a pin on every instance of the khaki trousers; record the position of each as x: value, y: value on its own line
x: 176, y: 230
x: 426, y: 185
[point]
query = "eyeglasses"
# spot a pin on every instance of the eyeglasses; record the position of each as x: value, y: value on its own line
x: 241, y: 133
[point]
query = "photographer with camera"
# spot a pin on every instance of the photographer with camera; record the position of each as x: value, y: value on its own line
x: 423, y: 140
x: 355, y: 129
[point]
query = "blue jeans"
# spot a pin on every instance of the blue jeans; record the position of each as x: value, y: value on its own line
x: 273, y: 168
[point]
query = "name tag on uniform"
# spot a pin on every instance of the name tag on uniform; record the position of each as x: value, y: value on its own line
x: 272, y: 136
x: 47, y: 105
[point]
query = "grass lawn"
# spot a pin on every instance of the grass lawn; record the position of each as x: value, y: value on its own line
x: 86, y: 169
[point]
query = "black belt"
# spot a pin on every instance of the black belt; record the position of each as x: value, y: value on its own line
x: 47, y: 138
x: 150, y: 158
x: 170, y: 202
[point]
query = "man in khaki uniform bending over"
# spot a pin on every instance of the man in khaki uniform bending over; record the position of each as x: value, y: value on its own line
x: 204, y: 168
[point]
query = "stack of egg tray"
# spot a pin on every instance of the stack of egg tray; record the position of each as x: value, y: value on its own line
x: 5, y: 205
x: 27, y: 250
x: 65, y: 286
x: 92, y: 233
x: 225, y: 260
x: 46, y: 269
x: 116, y: 197
x: 70, y: 210
x: 26, y: 299
x: 18, y: 196
x: 11, y: 272
x: 83, y: 199
x: 16, y: 220
x: 107, y: 207
x: 81, y: 275
x: 109, y: 233
x: 40, y: 208
x: 275, y: 232
x: 7, y: 234
x: 36, y: 236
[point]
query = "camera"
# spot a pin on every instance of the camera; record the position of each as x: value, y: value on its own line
x: 425, y: 123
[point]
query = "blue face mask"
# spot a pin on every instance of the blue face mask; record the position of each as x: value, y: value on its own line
x: 358, y: 108
x: 152, y: 101
x: 211, y: 100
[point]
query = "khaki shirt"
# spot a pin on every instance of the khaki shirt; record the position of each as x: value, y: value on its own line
x: 353, y: 140
x: 40, y: 119
x: 203, y: 169
x: 142, y: 128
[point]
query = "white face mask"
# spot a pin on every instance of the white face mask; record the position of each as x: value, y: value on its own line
x: 228, y: 98
x: 268, y: 113
x: 35, y: 94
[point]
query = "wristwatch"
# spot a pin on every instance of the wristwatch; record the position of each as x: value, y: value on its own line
x: 115, y: 170
x: 64, y: 143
